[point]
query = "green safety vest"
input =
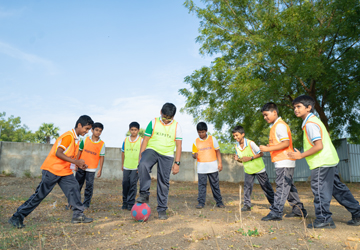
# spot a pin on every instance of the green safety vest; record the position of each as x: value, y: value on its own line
x: 131, y: 153
x: 325, y: 157
x: 250, y: 167
x: 163, y: 137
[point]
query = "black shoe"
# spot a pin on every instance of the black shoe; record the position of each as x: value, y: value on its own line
x: 220, y: 205
x: 354, y: 221
x: 124, y: 206
x: 68, y: 207
x: 16, y: 222
x: 200, y: 206
x: 329, y: 224
x: 81, y: 219
x: 163, y: 215
x: 271, y: 217
x: 129, y: 207
x: 292, y: 215
x: 245, y: 208
x: 143, y: 198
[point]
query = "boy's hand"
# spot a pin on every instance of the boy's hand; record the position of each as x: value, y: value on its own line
x: 220, y: 167
x: 295, y: 155
x: 264, y: 148
x: 236, y: 157
x: 195, y: 156
x: 122, y: 168
x: 175, y: 169
x: 80, y: 163
x: 246, y: 159
x: 98, y: 174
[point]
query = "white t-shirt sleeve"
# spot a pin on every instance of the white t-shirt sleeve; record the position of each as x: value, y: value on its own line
x: 254, y: 148
x: 178, y: 135
x: 281, y: 133
x: 102, y: 153
x: 313, y: 131
x: 215, y: 144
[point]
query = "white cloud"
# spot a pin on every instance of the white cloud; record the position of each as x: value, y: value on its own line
x: 10, y: 13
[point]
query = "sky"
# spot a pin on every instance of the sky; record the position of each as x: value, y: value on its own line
x: 117, y: 61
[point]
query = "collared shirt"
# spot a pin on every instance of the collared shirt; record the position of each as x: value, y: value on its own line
x: 150, y: 128
x: 64, y: 143
x: 123, y: 145
x: 254, y: 148
x: 81, y: 146
x: 313, y: 130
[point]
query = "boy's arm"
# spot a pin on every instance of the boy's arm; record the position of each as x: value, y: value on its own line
x: 297, y: 155
x: 102, y: 158
x: 281, y: 145
x: 248, y: 158
x: 60, y: 154
x: 218, y: 156
x: 175, y: 168
x: 144, y: 145
x: 122, y: 160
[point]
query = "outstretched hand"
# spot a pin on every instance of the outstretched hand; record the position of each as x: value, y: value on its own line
x: 295, y: 155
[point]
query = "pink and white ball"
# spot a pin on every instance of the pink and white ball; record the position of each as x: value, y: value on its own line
x: 141, y: 212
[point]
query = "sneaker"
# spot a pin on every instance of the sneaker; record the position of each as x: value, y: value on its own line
x: 81, y: 219
x: 354, y: 221
x: 163, y: 215
x: 129, y: 207
x: 271, y: 217
x: 329, y: 224
x: 16, y: 222
x: 200, y: 206
x: 124, y: 206
x: 220, y: 205
x: 292, y: 215
x: 245, y: 208
x: 68, y: 207
x: 143, y: 198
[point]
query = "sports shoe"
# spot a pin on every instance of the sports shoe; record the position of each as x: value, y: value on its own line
x: 143, y: 198
x: 81, y: 219
x: 245, y: 208
x: 124, y: 206
x: 16, y: 222
x: 129, y: 207
x: 328, y: 224
x: 220, y: 205
x: 200, y: 206
x: 292, y: 215
x: 68, y: 207
x: 163, y: 215
x: 354, y: 221
x: 271, y: 217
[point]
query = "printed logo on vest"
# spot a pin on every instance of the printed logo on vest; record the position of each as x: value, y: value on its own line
x: 90, y: 152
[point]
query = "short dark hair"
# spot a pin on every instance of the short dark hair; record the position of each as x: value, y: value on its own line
x: 134, y: 125
x: 98, y: 125
x: 238, y: 129
x: 306, y: 101
x: 270, y: 106
x: 84, y: 120
x: 168, y: 109
x: 201, y: 126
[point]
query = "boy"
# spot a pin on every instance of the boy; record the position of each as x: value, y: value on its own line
x: 249, y: 154
x: 129, y: 165
x: 161, y: 136
x: 91, y: 150
x: 323, y: 159
x: 280, y: 142
x: 207, y: 152
x: 56, y: 169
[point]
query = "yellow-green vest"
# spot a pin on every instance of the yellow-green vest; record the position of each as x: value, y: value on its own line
x: 325, y: 157
x: 131, y: 153
x: 163, y: 137
x: 250, y: 167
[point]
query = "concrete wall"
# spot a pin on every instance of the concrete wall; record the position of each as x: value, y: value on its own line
x: 26, y: 158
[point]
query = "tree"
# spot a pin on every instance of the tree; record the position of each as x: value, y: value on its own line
x: 12, y: 130
x: 275, y: 51
x: 141, y: 132
x: 46, y: 132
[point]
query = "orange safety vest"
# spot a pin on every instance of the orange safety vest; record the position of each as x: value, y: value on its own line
x: 54, y: 164
x: 206, y: 151
x: 280, y: 155
x: 91, y: 152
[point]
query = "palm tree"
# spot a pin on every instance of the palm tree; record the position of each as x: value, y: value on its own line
x: 46, y: 132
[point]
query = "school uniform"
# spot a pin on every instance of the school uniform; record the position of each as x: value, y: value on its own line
x: 207, y: 168
x: 131, y: 150
x: 91, y: 151
x: 325, y: 180
x: 284, y: 168
x: 160, y: 150
x: 254, y: 169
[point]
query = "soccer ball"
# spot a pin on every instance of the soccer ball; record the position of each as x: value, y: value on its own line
x: 141, y: 212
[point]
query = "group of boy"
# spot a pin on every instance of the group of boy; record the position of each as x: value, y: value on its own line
x: 163, y: 134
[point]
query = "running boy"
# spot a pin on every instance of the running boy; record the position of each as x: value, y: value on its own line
x: 129, y: 165
x: 322, y: 159
x: 161, y: 136
x: 280, y: 142
x: 91, y: 150
x: 207, y: 152
x: 56, y: 169
x: 249, y: 154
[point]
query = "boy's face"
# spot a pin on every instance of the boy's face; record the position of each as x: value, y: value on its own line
x: 301, y: 111
x: 134, y: 131
x: 202, y: 134
x: 166, y: 119
x: 270, y: 116
x: 83, y: 130
x: 96, y: 132
x: 238, y: 136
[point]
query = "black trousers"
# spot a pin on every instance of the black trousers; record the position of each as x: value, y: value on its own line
x: 148, y: 159
x: 214, y: 184
x: 325, y: 183
x: 129, y: 183
x: 286, y: 190
x: 264, y: 184
x: 82, y: 176
x: 69, y: 186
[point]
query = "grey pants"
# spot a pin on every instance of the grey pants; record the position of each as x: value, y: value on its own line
x: 69, y: 186
x: 325, y: 183
x: 286, y: 190
x: 148, y: 159
x: 129, y: 183
x: 264, y: 184
x: 81, y: 176
x: 214, y: 184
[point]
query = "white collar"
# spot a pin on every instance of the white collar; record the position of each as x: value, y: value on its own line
x: 245, y: 144
x: 133, y: 140
x: 306, y: 119
x: 272, y: 124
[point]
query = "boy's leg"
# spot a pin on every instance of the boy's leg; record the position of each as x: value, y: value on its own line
x: 202, y: 183
x: 148, y: 159
x: 165, y: 164
x: 298, y: 208
x: 283, y: 185
x: 80, y: 177
x: 215, y: 188
x: 126, y: 187
x: 248, y: 187
x: 89, y: 188
x: 133, y: 179
x: 264, y: 182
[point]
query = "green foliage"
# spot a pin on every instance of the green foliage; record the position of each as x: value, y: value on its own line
x: 275, y: 51
x: 12, y: 130
x: 226, y: 142
x: 45, y: 132
x: 141, y: 133
x: 249, y: 232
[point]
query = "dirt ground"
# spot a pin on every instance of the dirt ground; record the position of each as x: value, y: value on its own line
x: 49, y: 227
